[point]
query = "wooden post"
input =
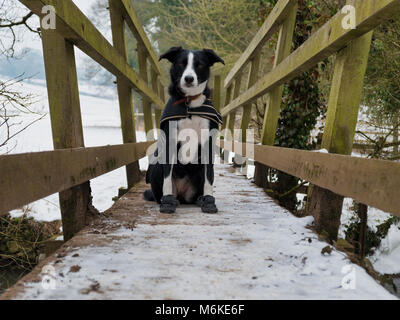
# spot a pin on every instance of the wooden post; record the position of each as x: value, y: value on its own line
x: 157, y: 112
x: 228, y: 97
x: 341, y: 121
x: 274, y: 100
x: 254, y: 69
x: 66, y: 123
x: 125, y: 96
x: 217, y: 92
x: 232, y: 115
x: 244, y: 123
x: 154, y: 86
x: 148, y: 117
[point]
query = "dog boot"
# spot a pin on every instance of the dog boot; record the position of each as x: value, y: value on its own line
x: 207, y: 204
x: 168, y: 204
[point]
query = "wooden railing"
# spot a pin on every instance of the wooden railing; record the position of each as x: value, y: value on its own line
x: 371, y: 182
x: 28, y: 177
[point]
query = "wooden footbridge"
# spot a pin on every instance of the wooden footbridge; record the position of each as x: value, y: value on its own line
x: 252, y: 248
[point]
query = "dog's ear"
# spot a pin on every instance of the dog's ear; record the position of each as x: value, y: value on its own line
x: 171, y: 54
x: 212, y: 57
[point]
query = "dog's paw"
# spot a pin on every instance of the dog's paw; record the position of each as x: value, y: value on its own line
x: 207, y: 204
x: 168, y: 204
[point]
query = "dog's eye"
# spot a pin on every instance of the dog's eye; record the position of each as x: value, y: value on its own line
x: 200, y: 65
x: 180, y: 65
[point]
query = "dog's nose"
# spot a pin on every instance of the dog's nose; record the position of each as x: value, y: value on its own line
x: 189, y: 79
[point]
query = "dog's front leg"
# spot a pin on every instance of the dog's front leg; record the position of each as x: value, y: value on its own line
x: 168, y: 201
x: 207, y: 201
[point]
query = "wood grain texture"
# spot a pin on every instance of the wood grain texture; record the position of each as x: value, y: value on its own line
x: 125, y: 96
x: 246, y: 115
x: 369, y: 181
x: 66, y: 123
x: 58, y: 170
x: 146, y: 103
x: 340, y: 126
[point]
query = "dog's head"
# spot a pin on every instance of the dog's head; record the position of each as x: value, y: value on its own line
x: 190, y: 70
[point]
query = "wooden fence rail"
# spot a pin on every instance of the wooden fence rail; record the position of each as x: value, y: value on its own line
x: 28, y: 177
x: 369, y: 181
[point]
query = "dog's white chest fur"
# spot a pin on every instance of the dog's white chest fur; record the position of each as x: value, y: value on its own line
x: 192, y: 126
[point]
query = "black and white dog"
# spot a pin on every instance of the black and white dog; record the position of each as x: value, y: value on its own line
x: 182, y: 169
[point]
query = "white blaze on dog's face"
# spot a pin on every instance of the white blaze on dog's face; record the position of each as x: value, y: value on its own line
x: 189, y: 82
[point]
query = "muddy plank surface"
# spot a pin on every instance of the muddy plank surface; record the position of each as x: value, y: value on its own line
x: 251, y: 249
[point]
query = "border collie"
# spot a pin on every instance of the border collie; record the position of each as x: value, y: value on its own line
x: 181, y: 169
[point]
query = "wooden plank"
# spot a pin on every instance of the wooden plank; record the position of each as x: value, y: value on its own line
x: 125, y: 96
x: 146, y: 103
x: 327, y: 40
x: 217, y: 91
x: 369, y: 181
x: 232, y: 116
x: 340, y: 126
x: 274, y: 99
x: 236, y: 92
x: 253, y: 76
x: 270, y: 26
x: 66, y: 123
x: 135, y: 26
x: 345, y: 96
x: 245, y: 119
x: 59, y: 170
x: 157, y: 113
x: 155, y: 83
x: 73, y: 25
x: 228, y: 98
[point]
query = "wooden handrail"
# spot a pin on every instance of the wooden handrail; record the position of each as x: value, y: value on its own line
x: 28, y: 177
x: 369, y: 181
x: 327, y: 40
x: 77, y: 28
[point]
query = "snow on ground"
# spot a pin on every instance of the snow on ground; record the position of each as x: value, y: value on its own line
x: 101, y: 126
x: 251, y: 249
